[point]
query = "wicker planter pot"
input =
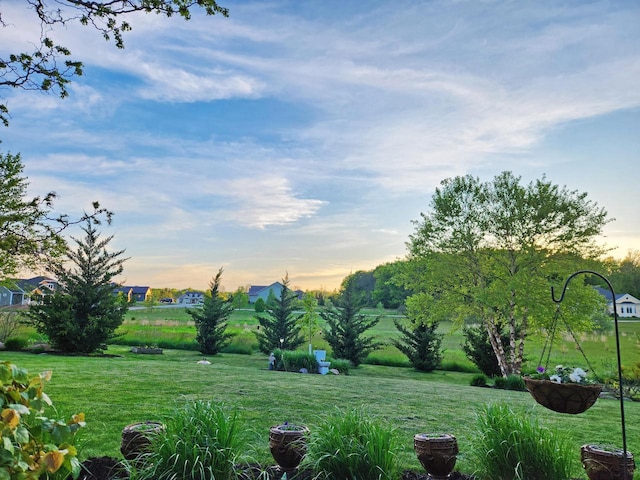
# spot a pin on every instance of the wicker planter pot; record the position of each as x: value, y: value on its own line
x: 288, y: 445
x: 136, y: 438
x: 436, y: 453
x: 570, y: 398
x: 606, y: 464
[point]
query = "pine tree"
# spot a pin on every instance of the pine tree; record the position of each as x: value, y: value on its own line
x: 420, y: 343
x: 280, y: 328
x: 346, y: 329
x: 211, y: 320
x: 84, y: 314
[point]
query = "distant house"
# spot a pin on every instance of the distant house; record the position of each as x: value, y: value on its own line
x: 37, y: 287
x: 191, y: 298
x: 627, y: 305
x: 11, y: 294
x: 133, y: 294
x: 263, y: 292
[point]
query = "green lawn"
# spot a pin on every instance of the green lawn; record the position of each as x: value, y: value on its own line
x: 116, y: 391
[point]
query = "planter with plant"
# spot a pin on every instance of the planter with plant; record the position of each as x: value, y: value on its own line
x: 437, y: 453
x: 288, y: 445
x: 137, y: 438
x: 565, y: 390
x: 606, y: 463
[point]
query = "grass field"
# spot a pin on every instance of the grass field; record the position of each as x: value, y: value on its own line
x: 116, y: 391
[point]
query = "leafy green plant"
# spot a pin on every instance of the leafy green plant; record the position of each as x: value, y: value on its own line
x: 33, y: 446
x: 500, y: 383
x: 293, y: 361
x: 343, y: 366
x: 353, y: 445
x: 510, y: 445
x: 420, y: 343
x: 515, y: 382
x: 479, y: 380
x: 201, y: 441
x: 15, y: 344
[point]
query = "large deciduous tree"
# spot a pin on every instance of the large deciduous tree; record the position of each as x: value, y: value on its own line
x: 30, y: 232
x: 84, y: 313
x: 493, y: 249
x: 211, y: 320
x: 281, y: 325
x: 48, y: 65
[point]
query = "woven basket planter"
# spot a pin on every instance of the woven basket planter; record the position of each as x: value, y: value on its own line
x: 570, y: 398
x: 605, y: 464
x: 136, y: 438
x: 288, y: 445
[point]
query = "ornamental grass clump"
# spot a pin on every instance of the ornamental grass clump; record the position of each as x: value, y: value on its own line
x: 353, y: 445
x: 202, y: 441
x: 511, y: 445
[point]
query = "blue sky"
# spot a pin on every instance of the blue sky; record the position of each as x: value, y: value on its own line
x: 304, y: 137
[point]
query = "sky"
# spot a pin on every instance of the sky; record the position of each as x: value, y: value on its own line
x: 304, y: 137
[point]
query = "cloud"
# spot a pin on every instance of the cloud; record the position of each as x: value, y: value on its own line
x: 267, y: 201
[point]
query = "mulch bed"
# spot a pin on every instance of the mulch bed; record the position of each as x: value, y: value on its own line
x: 109, y: 468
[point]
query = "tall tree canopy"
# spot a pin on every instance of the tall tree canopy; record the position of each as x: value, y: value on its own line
x: 48, y: 66
x: 30, y: 232
x: 493, y: 249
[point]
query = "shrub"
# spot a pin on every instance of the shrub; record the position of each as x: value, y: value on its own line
x: 500, y: 383
x: 15, y: 344
x: 353, y: 444
x: 201, y: 441
x: 509, y: 446
x: 33, y: 446
x: 340, y: 364
x: 260, y: 306
x: 515, y: 382
x: 479, y: 380
x: 293, y: 361
x: 478, y: 349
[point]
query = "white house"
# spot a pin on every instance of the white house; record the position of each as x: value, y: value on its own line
x: 263, y: 292
x: 627, y: 305
x: 191, y: 298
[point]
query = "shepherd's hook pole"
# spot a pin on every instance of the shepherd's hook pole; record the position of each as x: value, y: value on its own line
x: 615, y: 319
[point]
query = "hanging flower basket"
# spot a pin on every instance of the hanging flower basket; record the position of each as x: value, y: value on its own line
x: 570, y: 398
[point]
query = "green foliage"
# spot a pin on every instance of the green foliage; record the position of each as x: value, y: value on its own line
x: 479, y: 380
x: 280, y: 323
x: 211, y: 320
x: 353, y: 445
x: 625, y: 275
x: 33, y: 446
x: 388, y: 289
x: 500, y: 383
x: 361, y: 285
x: 420, y: 343
x: 15, y: 344
x: 260, y: 306
x: 493, y: 249
x: 342, y: 365
x: 10, y: 322
x: 478, y: 349
x: 515, y: 382
x: 514, y: 446
x: 294, y: 360
x: 309, y: 321
x: 30, y: 234
x: 202, y: 441
x: 84, y: 314
x: 346, y: 328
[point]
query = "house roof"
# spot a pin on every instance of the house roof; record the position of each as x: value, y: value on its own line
x: 606, y: 293
x: 139, y: 290
x: 256, y: 289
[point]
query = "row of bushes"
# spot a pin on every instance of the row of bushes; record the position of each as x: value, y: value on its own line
x: 296, y: 360
x: 205, y: 440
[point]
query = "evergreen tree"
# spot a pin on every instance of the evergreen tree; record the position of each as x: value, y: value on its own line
x: 420, y: 343
x: 478, y: 349
x: 280, y: 323
x: 346, y: 328
x: 84, y: 313
x: 211, y: 320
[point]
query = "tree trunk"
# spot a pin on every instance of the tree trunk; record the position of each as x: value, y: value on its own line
x: 496, y: 344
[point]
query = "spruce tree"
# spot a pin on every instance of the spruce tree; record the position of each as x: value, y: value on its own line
x: 280, y: 323
x: 346, y: 328
x: 211, y: 320
x: 84, y: 313
x: 420, y: 343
